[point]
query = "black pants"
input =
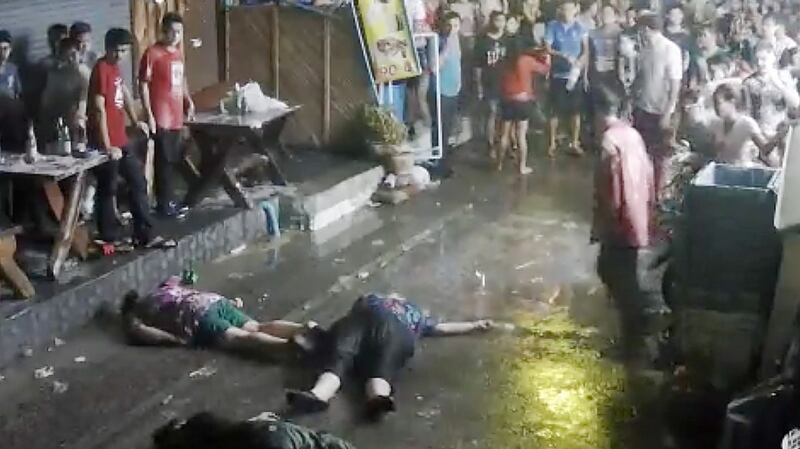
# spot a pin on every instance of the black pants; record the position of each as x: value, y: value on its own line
x: 449, y: 111
x: 371, y: 343
x: 634, y: 279
x: 167, y: 154
x: 108, y: 174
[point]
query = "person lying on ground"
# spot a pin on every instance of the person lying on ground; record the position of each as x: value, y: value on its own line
x: 176, y: 314
x: 208, y: 431
x: 375, y: 339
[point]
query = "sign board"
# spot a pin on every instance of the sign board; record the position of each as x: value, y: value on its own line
x: 787, y: 211
x: 388, y: 40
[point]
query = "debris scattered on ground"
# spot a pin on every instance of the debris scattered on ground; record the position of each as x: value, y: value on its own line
x: 482, y: 278
x: 167, y: 399
x: 206, y: 371
x: 378, y: 242
x: 525, y: 265
x: 60, y: 387
x: 505, y: 327
x: 420, y: 397
x: 438, y: 204
x: 363, y: 275
x: 537, y: 280
x: 239, y: 276
x: 384, y: 264
x: 470, y: 206
x: 430, y: 413
x: 553, y: 296
x: 44, y: 372
x: 238, y: 250
x: 306, y: 307
x: 58, y: 342
x: 374, y: 204
x: 569, y: 225
x: 339, y: 260
x: 238, y: 302
x: 538, y: 238
x: 2, y: 377
x: 404, y: 248
x: 80, y: 359
x: 263, y: 297
x: 27, y: 352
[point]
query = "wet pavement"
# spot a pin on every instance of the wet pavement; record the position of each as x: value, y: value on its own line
x: 481, y: 245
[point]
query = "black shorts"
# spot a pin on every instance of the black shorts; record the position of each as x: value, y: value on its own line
x: 516, y: 111
x: 565, y: 103
x: 371, y: 343
x: 168, y: 145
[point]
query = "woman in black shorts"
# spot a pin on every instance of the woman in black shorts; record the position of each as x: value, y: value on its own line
x: 374, y: 340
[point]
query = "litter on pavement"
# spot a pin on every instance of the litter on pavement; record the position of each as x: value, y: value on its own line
x: 80, y: 359
x: 60, y: 387
x: 44, y: 372
x: 206, y: 371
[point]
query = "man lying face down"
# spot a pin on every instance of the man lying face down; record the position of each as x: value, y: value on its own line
x: 209, y: 431
x: 176, y: 314
x: 375, y: 339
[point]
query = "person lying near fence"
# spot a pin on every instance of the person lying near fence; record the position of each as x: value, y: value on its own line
x: 175, y: 314
x: 375, y: 339
x: 208, y: 431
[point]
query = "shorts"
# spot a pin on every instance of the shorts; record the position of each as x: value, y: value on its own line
x: 516, y: 111
x: 565, y: 103
x: 371, y: 343
x: 220, y: 317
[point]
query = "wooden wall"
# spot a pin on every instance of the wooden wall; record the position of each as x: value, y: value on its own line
x: 301, y: 64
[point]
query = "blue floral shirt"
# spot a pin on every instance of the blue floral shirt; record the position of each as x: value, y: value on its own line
x: 418, y: 321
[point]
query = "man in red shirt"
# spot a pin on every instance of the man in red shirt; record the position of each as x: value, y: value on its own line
x: 518, y: 102
x: 165, y: 97
x: 631, y: 263
x: 109, y: 101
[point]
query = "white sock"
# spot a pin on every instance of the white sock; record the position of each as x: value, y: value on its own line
x: 377, y: 387
x: 326, y: 387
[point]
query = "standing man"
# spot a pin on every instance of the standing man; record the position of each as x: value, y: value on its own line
x: 10, y: 85
x: 623, y: 219
x: 568, y: 44
x: 55, y: 34
x: 656, y: 91
x: 82, y: 31
x: 64, y: 95
x: 13, y: 124
x: 489, y: 52
x: 109, y: 100
x: 165, y: 98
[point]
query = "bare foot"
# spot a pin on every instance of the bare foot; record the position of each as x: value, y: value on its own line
x: 551, y: 151
x: 576, y: 149
x: 524, y: 171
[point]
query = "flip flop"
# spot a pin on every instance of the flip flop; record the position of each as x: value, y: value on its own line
x: 159, y: 242
x: 305, y: 401
x: 379, y: 406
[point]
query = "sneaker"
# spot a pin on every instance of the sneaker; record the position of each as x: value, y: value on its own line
x: 172, y: 210
x: 379, y: 406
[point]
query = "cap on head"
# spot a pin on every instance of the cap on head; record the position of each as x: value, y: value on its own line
x: 5, y: 36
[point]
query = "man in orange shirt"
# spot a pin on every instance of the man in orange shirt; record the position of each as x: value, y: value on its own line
x: 518, y: 101
x: 165, y: 97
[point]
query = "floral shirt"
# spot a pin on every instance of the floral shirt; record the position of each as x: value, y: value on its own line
x: 175, y: 308
x: 419, y: 322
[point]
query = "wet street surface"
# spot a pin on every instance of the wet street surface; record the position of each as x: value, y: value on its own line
x: 481, y: 245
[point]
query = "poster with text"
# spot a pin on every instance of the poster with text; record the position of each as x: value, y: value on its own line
x: 388, y: 40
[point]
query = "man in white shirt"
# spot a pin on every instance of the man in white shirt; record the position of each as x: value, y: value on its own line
x: 656, y: 91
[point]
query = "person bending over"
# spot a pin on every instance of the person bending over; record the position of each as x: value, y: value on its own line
x: 206, y: 430
x: 375, y: 339
x: 175, y: 314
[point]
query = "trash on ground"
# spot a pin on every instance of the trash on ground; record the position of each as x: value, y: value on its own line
x: 2, y: 377
x: 265, y: 416
x: 482, y: 278
x: 239, y: 276
x: 206, y: 371
x: 339, y: 260
x: 27, y: 352
x: 430, y: 413
x: 44, y: 372
x: 58, y: 342
x: 378, y: 242
x: 263, y: 297
x: 238, y: 302
x: 384, y: 264
x: 505, y: 327
x: 537, y: 280
x: 569, y: 225
x: 80, y: 359
x: 306, y: 307
x: 420, y: 397
x: 363, y: 275
x: 374, y: 204
x: 438, y: 204
x: 60, y: 387
x: 167, y: 399
x: 525, y: 265
x: 239, y: 249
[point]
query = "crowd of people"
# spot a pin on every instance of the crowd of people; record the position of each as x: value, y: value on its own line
x: 722, y: 75
x: 74, y: 95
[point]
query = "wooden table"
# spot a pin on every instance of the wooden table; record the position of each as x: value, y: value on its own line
x: 47, y: 172
x: 216, y: 133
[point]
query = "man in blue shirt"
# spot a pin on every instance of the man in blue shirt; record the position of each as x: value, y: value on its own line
x: 449, y: 74
x: 10, y: 85
x: 567, y: 42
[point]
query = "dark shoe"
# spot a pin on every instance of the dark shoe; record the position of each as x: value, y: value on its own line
x: 305, y: 401
x: 172, y: 210
x: 379, y: 406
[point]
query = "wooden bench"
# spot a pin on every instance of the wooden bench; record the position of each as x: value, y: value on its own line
x: 9, y: 270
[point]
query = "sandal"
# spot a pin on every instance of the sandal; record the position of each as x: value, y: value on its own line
x: 379, y: 406
x: 305, y: 401
x: 158, y: 242
x: 576, y: 150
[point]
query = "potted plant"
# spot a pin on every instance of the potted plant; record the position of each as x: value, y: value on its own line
x: 387, y: 137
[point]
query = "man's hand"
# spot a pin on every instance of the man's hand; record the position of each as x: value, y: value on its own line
x: 151, y: 124
x: 190, y: 112
x: 484, y: 325
x: 145, y: 128
x: 115, y: 153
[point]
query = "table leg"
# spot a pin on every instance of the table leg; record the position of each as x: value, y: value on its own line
x: 68, y: 223
x: 10, y: 270
x: 212, y: 165
x: 234, y: 190
x: 55, y: 198
x: 263, y: 144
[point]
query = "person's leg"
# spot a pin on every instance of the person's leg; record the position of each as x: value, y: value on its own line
x: 449, y: 111
x: 167, y: 153
x: 107, y: 181
x: 388, y: 347
x: 131, y: 170
x: 422, y: 94
x: 276, y: 328
x: 575, y: 123
x: 505, y: 141
x: 491, y: 121
x: 553, y: 136
x: 616, y: 267
x: 521, y: 131
x: 238, y: 339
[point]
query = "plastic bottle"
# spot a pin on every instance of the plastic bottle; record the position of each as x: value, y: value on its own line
x: 31, y: 150
x: 64, y: 142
